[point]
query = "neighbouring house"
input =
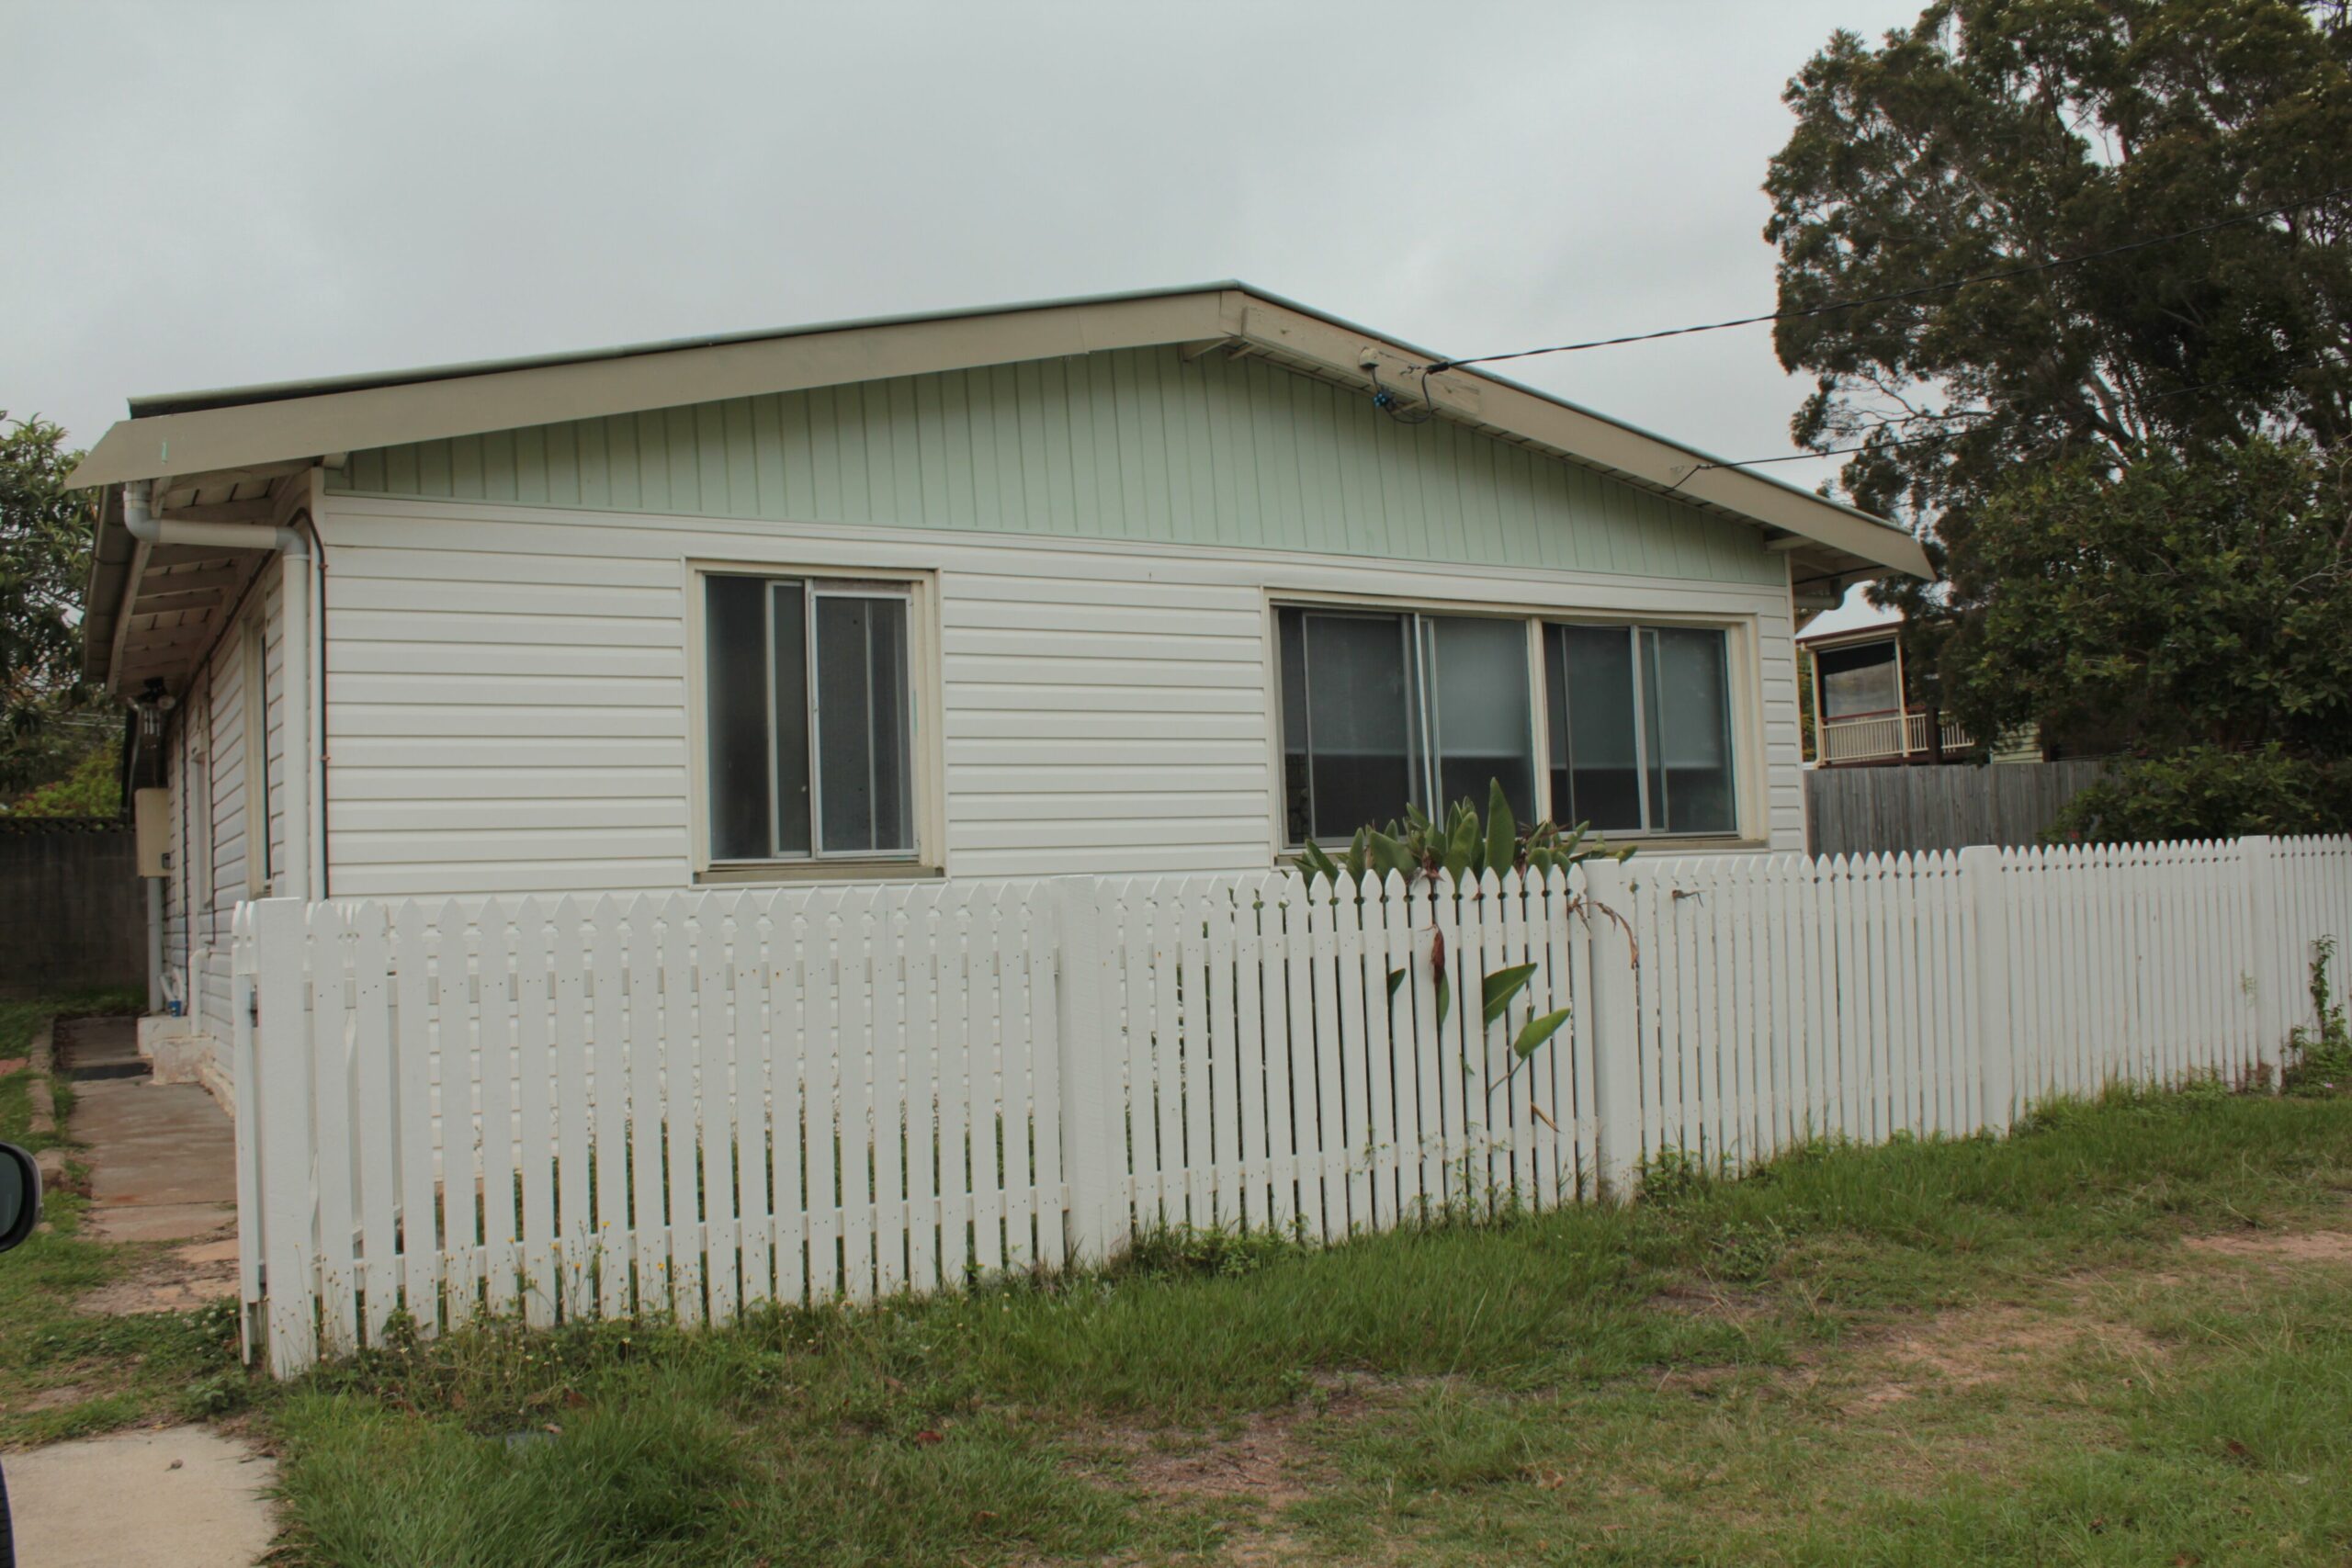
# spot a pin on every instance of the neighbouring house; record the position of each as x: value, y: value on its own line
x: 1868, y: 709
x: 1161, y: 583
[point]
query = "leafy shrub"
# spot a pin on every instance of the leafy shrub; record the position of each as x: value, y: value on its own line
x: 94, y: 788
x: 2208, y: 793
x: 1463, y: 846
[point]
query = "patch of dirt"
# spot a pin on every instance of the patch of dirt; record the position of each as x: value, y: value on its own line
x: 2280, y: 1247
x: 62, y: 1395
x: 1700, y: 1298
x: 1708, y: 1382
x: 1988, y: 1345
x: 180, y: 1278
x: 1263, y: 1458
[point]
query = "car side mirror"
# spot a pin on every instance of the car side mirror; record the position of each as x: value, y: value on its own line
x: 20, y: 1195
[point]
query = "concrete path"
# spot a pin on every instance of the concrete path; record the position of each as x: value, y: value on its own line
x: 163, y: 1166
x: 187, y: 1497
x: 163, y: 1159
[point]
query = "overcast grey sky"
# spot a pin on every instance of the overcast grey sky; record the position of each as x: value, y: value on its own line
x: 205, y: 193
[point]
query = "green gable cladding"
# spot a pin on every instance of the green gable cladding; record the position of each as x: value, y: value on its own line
x: 1139, y: 445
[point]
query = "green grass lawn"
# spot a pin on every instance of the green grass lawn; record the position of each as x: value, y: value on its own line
x: 2123, y: 1335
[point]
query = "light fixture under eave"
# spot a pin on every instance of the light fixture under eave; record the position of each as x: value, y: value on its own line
x: 154, y: 705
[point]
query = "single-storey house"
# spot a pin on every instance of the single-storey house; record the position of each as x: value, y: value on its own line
x: 1158, y: 582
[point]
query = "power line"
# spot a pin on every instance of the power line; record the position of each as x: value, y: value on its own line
x: 1943, y: 435
x: 1901, y: 294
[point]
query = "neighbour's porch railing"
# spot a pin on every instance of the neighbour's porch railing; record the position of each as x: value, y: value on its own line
x: 1886, y: 737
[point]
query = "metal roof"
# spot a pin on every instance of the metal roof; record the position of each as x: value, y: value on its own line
x: 203, y: 445
x: 162, y: 404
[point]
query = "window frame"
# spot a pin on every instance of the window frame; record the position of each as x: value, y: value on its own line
x: 925, y: 774
x: 1742, y: 682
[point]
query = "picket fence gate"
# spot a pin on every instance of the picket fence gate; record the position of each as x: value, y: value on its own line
x: 697, y: 1103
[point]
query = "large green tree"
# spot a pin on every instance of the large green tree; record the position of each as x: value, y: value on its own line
x: 2201, y: 607
x: 2001, y: 419
x: 46, y: 727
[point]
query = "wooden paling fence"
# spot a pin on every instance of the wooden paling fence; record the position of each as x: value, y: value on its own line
x: 698, y: 1103
x: 1884, y: 810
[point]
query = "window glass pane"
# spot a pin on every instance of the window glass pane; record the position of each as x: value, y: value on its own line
x: 1691, y: 697
x: 1358, y: 766
x: 1478, y: 702
x: 866, y: 793
x: 1596, y: 766
x: 735, y: 626
x: 1292, y: 627
x: 1857, y: 680
x: 789, y: 623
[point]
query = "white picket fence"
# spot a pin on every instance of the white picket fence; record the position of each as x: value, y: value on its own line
x: 699, y: 1102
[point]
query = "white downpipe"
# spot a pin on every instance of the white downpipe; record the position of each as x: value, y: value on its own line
x: 293, y: 547
x: 155, y: 944
x: 139, y: 523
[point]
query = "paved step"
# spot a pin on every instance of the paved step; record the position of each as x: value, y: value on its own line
x: 92, y: 1049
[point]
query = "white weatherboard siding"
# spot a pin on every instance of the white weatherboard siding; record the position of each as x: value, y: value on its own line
x: 208, y: 750
x: 507, y: 698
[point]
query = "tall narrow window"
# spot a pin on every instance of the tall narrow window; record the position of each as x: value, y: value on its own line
x: 1479, y: 712
x: 1596, y: 757
x: 862, y: 725
x: 1384, y: 709
x: 255, y: 741
x: 1689, y: 716
x: 1350, y: 746
x: 809, y: 719
x: 1641, y: 729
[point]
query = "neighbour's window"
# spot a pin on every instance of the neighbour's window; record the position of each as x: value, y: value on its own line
x: 811, y: 734
x: 1857, y: 680
x: 1382, y: 709
x: 1641, y: 729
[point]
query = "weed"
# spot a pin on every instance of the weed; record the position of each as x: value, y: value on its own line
x: 1229, y: 1251
x: 1670, y: 1179
x: 2320, y: 1056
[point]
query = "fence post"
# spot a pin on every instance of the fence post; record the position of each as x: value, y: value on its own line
x: 1098, y: 1211
x: 245, y: 1085
x: 1610, y: 996
x: 281, y: 1090
x: 2262, y: 945
x: 1996, y: 1039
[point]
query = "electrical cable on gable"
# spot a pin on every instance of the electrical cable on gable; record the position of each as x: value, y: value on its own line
x: 1896, y: 297
x: 1943, y: 435
x: 1387, y: 401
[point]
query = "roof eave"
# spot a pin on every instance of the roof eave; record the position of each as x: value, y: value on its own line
x: 110, y: 556
x: 311, y: 420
